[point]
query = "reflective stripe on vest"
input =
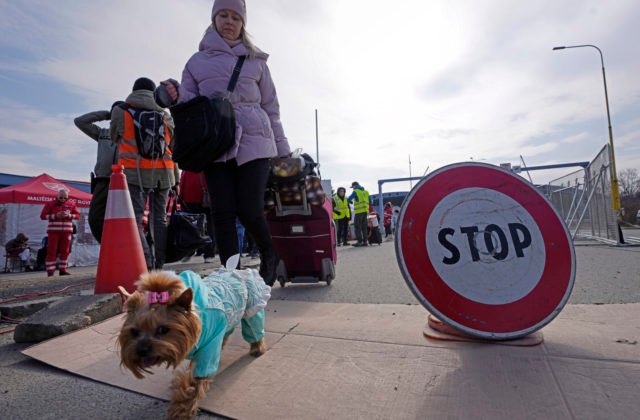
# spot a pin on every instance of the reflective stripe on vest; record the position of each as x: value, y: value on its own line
x: 362, y: 204
x: 128, y: 155
x: 342, y: 208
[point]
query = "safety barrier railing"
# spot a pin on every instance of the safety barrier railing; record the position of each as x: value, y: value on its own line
x: 583, y: 199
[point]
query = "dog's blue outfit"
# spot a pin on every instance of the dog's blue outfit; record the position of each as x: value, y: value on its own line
x: 224, y: 299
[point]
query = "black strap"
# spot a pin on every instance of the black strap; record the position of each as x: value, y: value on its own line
x: 201, y: 183
x: 122, y: 105
x: 236, y: 73
x: 172, y: 205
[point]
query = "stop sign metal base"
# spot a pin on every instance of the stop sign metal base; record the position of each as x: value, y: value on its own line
x: 438, y: 330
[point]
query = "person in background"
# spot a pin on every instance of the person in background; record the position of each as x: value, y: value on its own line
x: 360, y: 199
x: 147, y: 179
x: 373, y: 225
x: 101, y: 175
x: 394, y: 220
x: 60, y: 213
x: 342, y: 215
x: 237, y: 181
x: 194, y: 197
x: 241, y: 234
x: 387, y: 219
x: 18, y: 247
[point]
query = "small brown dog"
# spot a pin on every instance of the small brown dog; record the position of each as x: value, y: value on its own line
x: 171, y: 318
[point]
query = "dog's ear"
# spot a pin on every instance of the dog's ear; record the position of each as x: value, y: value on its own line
x: 184, y: 300
x: 133, y: 302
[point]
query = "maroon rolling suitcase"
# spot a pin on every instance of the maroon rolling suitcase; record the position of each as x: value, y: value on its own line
x: 303, y: 232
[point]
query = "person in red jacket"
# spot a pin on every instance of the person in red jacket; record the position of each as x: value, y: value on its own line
x: 388, y: 217
x: 60, y: 213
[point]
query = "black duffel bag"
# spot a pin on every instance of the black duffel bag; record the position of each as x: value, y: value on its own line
x: 205, y: 128
x: 187, y: 232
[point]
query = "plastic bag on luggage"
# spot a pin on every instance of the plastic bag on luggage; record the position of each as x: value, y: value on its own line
x: 293, y: 177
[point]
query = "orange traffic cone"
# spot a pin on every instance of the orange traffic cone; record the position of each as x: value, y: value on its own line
x: 121, y: 259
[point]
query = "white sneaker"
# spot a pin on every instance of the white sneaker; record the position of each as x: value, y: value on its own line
x: 208, y: 260
x: 186, y: 259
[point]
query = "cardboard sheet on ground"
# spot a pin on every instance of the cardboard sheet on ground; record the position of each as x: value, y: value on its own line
x: 371, y: 361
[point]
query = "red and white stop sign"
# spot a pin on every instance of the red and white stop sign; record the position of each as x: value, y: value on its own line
x: 484, y: 251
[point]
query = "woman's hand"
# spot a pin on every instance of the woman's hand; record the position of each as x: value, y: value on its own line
x: 172, y: 87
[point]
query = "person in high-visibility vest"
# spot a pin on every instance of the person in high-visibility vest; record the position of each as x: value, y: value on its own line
x: 342, y: 215
x: 148, y: 179
x: 360, y: 199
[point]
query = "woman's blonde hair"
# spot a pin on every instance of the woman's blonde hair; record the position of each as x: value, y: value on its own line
x: 244, y: 37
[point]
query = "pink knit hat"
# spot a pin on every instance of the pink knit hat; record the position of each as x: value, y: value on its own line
x: 237, y: 6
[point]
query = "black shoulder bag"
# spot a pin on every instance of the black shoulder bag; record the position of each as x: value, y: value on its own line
x: 205, y: 128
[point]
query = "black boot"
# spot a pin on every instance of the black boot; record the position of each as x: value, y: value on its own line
x: 268, y: 266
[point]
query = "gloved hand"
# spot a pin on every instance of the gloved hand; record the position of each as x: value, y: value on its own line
x: 167, y: 93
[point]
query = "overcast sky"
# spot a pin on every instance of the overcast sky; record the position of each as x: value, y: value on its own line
x: 444, y: 81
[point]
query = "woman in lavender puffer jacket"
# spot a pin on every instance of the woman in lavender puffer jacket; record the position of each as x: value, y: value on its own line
x: 238, y: 179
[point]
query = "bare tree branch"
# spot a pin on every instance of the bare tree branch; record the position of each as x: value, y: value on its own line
x: 629, y: 182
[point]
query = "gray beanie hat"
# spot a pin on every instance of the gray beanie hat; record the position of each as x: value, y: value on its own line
x: 237, y: 6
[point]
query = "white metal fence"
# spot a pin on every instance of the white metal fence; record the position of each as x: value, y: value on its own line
x: 583, y: 199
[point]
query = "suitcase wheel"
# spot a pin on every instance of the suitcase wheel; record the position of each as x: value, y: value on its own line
x: 328, y: 271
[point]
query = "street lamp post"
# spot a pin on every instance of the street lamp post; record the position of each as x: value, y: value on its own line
x: 410, y: 176
x: 615, y: 196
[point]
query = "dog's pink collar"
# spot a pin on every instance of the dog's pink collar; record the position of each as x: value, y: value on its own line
x: 157, y: 297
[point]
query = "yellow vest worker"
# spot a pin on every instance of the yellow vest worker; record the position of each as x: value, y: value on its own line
x: 360, y: 199
x: 341, y: 208
x: 361, y: 203
x: 342, y: 216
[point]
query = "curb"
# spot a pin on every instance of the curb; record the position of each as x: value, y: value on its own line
x: 67, y: 315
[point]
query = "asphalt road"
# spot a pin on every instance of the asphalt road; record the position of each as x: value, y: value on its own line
x: 32, y: 390
x: 604, y: 274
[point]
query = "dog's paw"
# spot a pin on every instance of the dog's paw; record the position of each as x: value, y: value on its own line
x: 258, y: 349
x: 187, y: 391
x: 181, y: 411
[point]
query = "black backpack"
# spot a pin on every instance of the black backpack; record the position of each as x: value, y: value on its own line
x: 149, y: 129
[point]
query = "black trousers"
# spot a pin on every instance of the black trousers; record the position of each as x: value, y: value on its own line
x: 343, y: 230
x: 238, y: 191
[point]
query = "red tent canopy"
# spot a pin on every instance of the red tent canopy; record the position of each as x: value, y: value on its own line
x: 40, y: 190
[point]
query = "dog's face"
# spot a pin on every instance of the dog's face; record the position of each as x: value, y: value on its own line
x: 157, y: 333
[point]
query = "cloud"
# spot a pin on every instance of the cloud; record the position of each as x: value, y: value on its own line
x: 443, y: 81
x: 44, y: 141
x: 577, y: 138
